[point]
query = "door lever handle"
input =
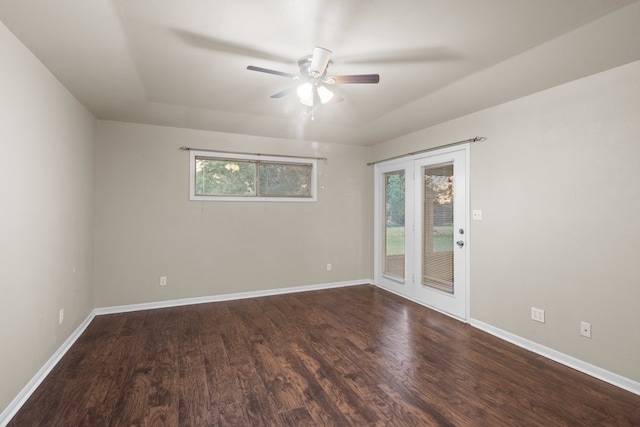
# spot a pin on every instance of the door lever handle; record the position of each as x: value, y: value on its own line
x: 460, y: 243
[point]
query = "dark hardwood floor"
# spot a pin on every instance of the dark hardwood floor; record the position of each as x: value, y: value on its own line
x: 350, y: 356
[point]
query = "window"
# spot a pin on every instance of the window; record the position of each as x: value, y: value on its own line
x: 394, y: 233
x: 225, y: 176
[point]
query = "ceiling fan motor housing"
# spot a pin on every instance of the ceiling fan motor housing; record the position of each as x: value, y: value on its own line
x: 304, y: 64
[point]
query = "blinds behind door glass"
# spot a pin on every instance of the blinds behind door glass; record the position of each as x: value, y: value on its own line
x: 437, y: 241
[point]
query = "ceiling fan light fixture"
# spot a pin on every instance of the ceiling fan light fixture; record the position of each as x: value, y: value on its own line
x: 324, y: 94
x: 316, y: 85
x: 305, y: 93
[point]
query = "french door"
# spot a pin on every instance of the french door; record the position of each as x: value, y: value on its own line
x: 421, y: 229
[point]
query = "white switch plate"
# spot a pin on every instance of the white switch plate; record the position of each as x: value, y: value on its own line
x: 163, y: 281
x: 537, y: 314
x: 328, y: 267
x: 476, y: 214
x: 585, y: 329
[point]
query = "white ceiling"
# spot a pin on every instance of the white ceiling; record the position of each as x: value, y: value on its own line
x: 183, y: 63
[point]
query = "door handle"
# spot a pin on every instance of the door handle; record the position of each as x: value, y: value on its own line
x: 460, y: 243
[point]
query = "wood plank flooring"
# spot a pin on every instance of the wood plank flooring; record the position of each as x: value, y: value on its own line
x: 356, y: 356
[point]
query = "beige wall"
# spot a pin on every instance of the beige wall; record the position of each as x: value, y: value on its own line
x: 146, y: 227
x: 558, y: 182
x: 47, y: 149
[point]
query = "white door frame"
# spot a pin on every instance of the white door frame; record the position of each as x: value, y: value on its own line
x: 407, y: 288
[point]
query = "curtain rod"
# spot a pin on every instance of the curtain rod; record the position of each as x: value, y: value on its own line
x: 476, y: 139
x: 251, y: 154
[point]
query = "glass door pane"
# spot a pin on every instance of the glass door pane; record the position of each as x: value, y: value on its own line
x: 437, y: 241
x: 394, y: 217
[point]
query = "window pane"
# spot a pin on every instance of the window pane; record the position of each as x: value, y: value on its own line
x: 394, y: 236
x: 285, y: 180
x: 437, y: 242
x: 225, y: 177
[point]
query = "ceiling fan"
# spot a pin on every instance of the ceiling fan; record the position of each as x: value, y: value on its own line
x: 314, y: 88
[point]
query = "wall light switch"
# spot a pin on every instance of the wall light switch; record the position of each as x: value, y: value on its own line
x: 585, y: 329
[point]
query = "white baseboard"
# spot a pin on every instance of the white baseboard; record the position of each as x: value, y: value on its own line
x: 564, y: 359
x: 15, y: 405
x: 225, y: 297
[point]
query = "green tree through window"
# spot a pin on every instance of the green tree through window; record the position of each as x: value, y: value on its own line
x: 225, y: 177
x: 395, y: 199
x: 252, y: 178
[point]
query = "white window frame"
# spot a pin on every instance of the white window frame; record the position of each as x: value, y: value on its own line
x: 277, y: 159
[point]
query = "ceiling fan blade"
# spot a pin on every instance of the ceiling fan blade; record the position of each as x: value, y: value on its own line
x: 269, y: 71
x: 353, y: 79
x: 203, y: 41
x: 319, y: 61
x: 284, y: 93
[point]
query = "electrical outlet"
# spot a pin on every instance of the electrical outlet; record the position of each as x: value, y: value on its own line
x: 61, y: 316
x: 537, y: 314
x: 585, y: 329
x: 476, y: 215
x: 163, y: 281
x: 328, y: 267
